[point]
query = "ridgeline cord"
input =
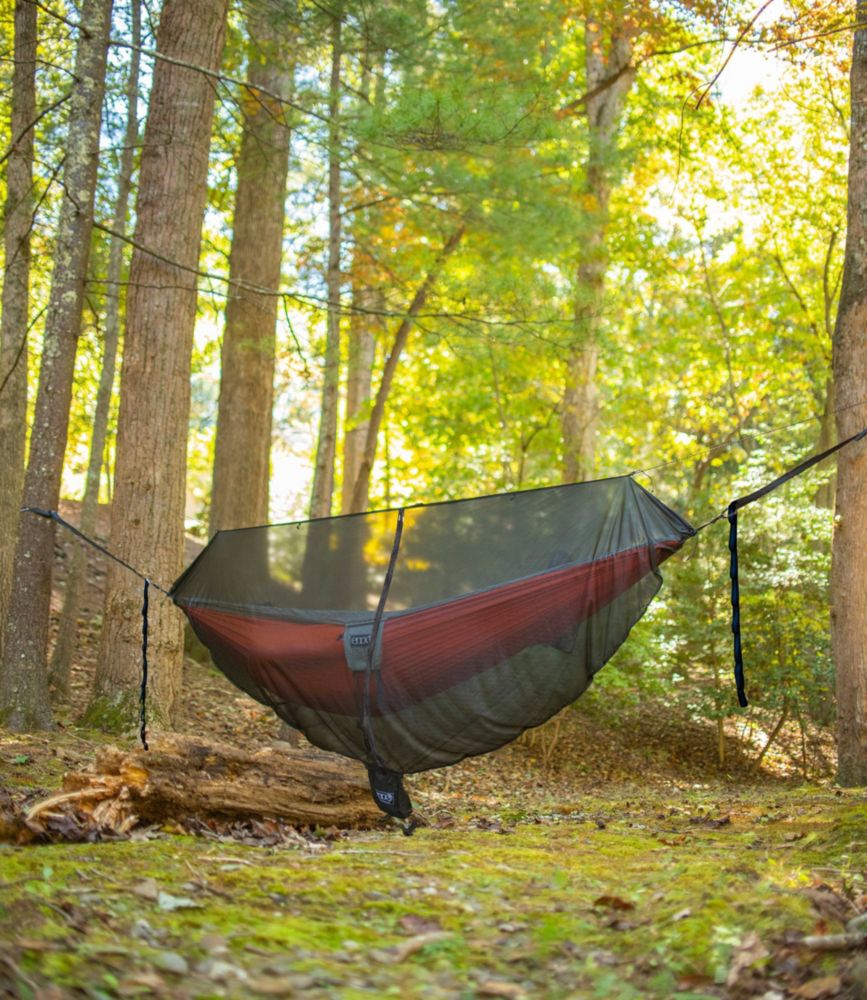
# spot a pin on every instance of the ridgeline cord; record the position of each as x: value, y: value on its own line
x: 52, y: 515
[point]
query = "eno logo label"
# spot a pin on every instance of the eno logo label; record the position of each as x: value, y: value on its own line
x: 386, y: 797
x: 359, y: 640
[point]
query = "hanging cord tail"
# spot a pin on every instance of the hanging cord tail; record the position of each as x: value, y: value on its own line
x: 144, y: 667
x: 732, y: 514
x: 366, y: 726
x: 736, y: 606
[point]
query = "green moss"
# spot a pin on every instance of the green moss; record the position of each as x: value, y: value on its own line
x: 111, y: 715
x: 625, y: 910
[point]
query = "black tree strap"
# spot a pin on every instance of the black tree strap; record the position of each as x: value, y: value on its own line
x: 52, y: 515
x: 143, y: 694
x: 732, y: 513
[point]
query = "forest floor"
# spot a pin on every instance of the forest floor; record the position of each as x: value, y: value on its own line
x: 609, y: 856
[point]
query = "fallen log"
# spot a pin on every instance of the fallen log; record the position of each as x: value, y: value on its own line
x: 183, y: 777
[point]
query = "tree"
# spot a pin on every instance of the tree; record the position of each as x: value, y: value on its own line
x: 23, y: 678
x: 148, y: 506
x: 16, y: 299
x: 849, y: 567
x: 239, y: 496
x: 61, y: 658
x: 326, y: 448
x: 608, y: 78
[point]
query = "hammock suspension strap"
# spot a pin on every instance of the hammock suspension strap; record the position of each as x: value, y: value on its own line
x: 732, y: 514
x: 52, y: 515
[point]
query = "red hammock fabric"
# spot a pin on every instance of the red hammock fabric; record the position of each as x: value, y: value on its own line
x: 425, y: 651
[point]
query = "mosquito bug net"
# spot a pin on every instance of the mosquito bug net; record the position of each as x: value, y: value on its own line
x: 412, y: 638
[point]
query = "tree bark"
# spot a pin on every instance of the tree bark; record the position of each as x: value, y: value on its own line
x: 849, y: 565
x: 242, y: 454
x: 23, y: 679
x: 604, y: 111
x: 17, y: 219
x: 148, y: 508
x: 61, y: 659
x: 362, y: 483
x: 326, y: 447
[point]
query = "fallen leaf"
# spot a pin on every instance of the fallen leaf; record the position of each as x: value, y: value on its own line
x: 165, y: 901
x: 496, y: 988
x: 147, y: 889
x: 399, y: 953
x: 749, y: 953
x: 815, y: 989
x: 614, y: 903
x: 171, y: 961
x: 412, y: 923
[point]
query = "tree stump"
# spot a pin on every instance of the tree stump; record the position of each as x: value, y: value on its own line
x: 182, y: 778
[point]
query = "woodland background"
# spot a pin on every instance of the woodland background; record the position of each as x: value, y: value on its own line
x: 266, y: 259
x: 272, y: 259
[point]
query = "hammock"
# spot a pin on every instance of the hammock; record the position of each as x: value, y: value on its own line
x: 410, y: 639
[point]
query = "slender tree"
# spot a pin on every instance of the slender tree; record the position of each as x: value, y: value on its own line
x: 361, y: 486
x: 849, y: 566
x: 609, y: 77
x: 64, y: 647
x: 17, y: 219
x: 365, y: 320
x: 242, y: 454
x: 326, y: 448
x: 23, y: 678
x: 148, y: 506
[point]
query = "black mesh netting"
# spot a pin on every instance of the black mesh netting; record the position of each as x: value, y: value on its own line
x: 499, y: 611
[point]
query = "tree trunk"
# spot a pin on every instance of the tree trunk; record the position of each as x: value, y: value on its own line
x: 326, y: 447
x: 366, y: 319
x: 366, y: 300
x: 61, y: 660
x: 362, y: 483
x: 242, y: 454
x: 148, y: 508
x: 17, y: 218
x: 849, y: 566
x: 23, y: 679
x: 604, y: 111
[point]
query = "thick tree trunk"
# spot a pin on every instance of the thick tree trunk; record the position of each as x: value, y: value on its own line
x: 148, y: 508
x: 361, y: 489
x: 326, y: 447
x: 242, y: 455
x: 23, y: 678
x: 579, y: 418
x: 17, y: 219
x: 61, y: 659
x: 849, y: 560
